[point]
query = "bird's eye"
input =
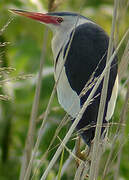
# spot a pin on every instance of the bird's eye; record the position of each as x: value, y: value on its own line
x: 59, y: 19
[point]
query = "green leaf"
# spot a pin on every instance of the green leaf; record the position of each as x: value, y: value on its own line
x: 60, y: 167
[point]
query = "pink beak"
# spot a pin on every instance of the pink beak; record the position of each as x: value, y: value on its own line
x: 45, y: 18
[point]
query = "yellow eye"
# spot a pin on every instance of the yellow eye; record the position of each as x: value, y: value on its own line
x: 60, y: 20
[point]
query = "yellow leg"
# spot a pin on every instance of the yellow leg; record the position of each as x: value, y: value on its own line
x: 83, y: 155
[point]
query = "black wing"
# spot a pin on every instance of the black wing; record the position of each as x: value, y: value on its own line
x: 89, y: 50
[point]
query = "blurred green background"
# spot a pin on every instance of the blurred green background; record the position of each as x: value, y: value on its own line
x: 21, y: 42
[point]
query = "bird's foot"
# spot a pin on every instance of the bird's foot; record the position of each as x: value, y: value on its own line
x: 81, y: 155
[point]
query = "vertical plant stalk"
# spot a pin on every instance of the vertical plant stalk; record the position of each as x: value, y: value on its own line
x: 121, y: 73
x: 30, y: 137
x: 82, y: 171
x: 124, y: 62
x: 122, y: 117
x: 60, y: 166
x: 67, y: 162
x: 122, y: 120
x: 51, y: 4
x: 54, y: 137
x: 96, y: 145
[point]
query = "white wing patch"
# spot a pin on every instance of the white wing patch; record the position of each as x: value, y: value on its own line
x: 67, y: 97
x: 112, y: 102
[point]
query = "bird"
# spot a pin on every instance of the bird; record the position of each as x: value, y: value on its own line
x: 79, y: 48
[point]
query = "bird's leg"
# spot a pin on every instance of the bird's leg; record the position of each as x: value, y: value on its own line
x: 82, y: 155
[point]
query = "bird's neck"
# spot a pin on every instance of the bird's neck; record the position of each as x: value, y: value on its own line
x: 59, y: 40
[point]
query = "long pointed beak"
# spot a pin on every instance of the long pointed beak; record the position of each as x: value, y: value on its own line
x: 45, y: 18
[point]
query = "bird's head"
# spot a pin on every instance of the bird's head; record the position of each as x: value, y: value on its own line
x: 61, y: 23
x: 57, y: 21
